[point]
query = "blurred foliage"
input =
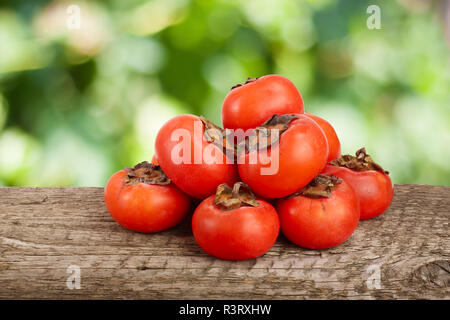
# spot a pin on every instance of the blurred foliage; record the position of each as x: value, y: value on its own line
x: 78, y: 104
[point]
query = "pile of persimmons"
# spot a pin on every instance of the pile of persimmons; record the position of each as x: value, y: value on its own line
x: 272, y: 167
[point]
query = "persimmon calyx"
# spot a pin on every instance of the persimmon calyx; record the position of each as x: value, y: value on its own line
x: 263, y: 136
x: 249, y: 80
x: 232, y: 198
x: 216, y: 135
x: 321, y: 186
x: 146, y: 172
x: 361, y: 162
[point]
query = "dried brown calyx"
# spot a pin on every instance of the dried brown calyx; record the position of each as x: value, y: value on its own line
x: 229, y: 199
x: 362, y: 162
x: 321, y: 186
x: 146, y: 172
x: 249, y: 80
x: 217, y: 136
x: 269, y: 132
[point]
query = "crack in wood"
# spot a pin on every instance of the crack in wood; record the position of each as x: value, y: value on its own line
x: 435, y: 273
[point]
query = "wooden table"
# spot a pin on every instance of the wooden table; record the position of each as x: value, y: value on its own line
x: 47, y: 235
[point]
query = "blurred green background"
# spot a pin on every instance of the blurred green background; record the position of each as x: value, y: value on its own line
x: 77, y: 105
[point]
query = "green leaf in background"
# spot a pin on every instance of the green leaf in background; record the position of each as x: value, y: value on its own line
x: 77, y: 105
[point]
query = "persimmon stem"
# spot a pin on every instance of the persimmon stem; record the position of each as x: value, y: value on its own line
x: 265, y: 131
x: 233, y: 198
x: 146, y: 172
x: 249, y: 80
x: 321, y: 186
x: 361, y: 162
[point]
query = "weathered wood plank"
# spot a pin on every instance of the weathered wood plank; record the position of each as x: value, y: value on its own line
x: 45, y: 230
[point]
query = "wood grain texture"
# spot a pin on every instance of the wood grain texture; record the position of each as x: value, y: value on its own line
x: 45, y: 230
